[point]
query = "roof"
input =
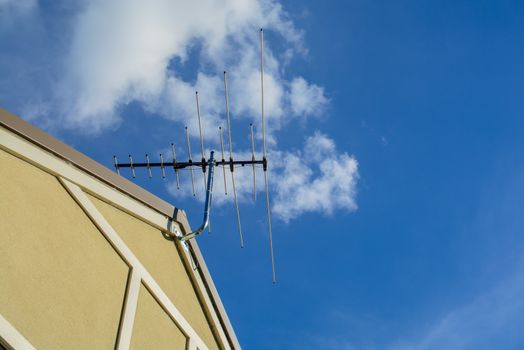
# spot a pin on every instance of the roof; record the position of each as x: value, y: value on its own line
x: 102, y: 173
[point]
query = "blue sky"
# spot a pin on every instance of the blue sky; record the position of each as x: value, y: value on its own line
x: 415, y: 242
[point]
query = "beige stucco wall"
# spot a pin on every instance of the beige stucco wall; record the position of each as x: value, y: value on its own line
x: 161, y: 258
x: 153, y: 328
x: 62, y: 284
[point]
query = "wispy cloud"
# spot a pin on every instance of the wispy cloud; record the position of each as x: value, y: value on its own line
x: 15, y: 7
x: 482, y: 323
x: 118, y: 56
x: 492, y: 319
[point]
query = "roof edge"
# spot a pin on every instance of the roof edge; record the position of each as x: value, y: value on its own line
x: 49, y: 143
x: 102, y: 173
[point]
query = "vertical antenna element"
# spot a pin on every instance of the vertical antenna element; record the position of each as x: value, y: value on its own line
x: 190, y: 162
x: 131, y: 166
x: 264, y: 159
x: 262, y: 94
x: 201, y: 140
x: 253, y: 165
x: 223, y: 160
x: 202, y: 150
x: 231, y: 165
x: 174, y: 166
x: 116, y: 165
x: 162, y: 166
x: 148, y: 167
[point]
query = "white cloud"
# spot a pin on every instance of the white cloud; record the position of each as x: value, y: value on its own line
x: 112, y: 53
x: 306, y: 99
x: 119, y: 56
x: 117, y: 52
x: 316, y: 180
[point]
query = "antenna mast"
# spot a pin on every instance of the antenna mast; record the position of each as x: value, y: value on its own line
x: 212, y: 163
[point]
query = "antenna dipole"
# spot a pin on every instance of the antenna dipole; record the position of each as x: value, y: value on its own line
x: 231, y: 164
x: 264, y: 154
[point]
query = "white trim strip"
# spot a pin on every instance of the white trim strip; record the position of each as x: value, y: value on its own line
x: 126, y: 253
x: 191, y: 345
x: 12, y: 337
x: 128, y: 314
x: 214, y: 322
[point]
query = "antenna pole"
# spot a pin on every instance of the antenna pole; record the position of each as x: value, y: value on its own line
x: 223, y: 160
x: 264, y: 155
x: 231, y: 165
x: 174, y: 166
x: 190, y: 162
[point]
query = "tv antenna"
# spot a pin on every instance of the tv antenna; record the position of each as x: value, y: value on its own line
x: 208, y: 166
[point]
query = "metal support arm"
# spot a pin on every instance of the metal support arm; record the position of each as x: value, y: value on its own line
x: 207, y: 208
